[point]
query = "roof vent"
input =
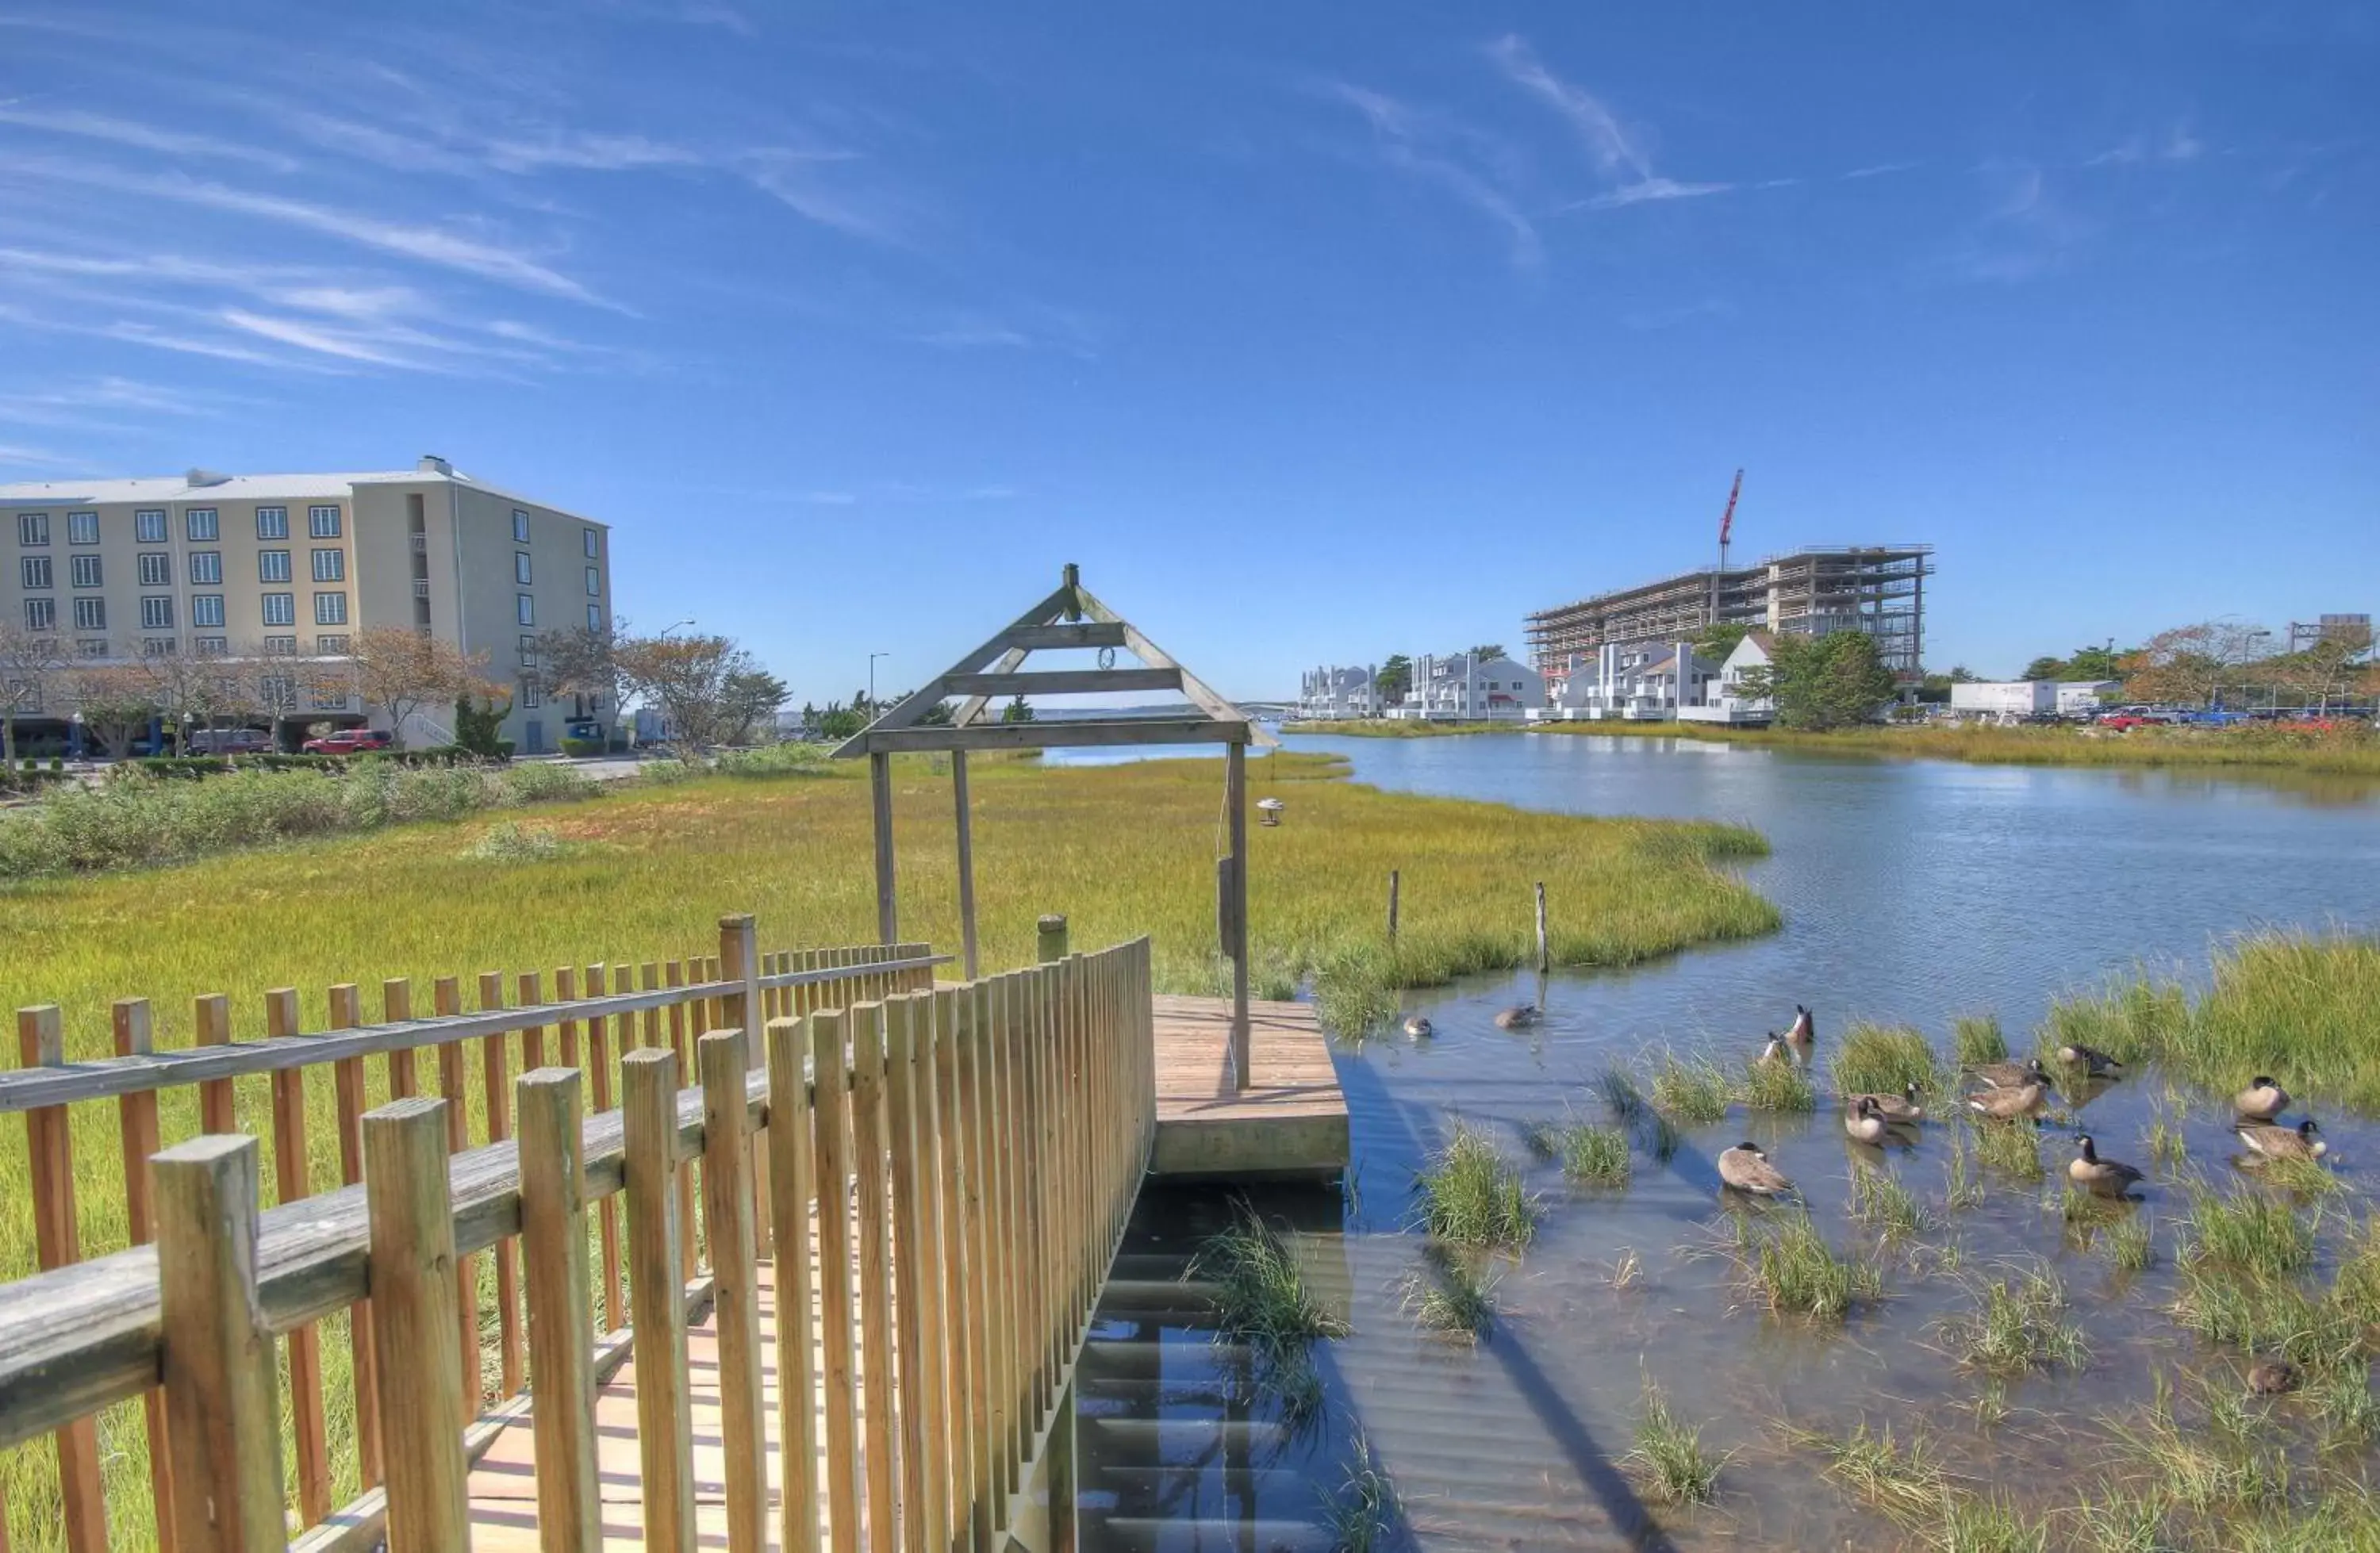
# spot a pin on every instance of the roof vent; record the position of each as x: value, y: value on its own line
x: 431, y: 464
x: 206, y: 477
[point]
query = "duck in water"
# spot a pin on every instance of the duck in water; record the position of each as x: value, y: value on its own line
x: 1904, y: 1107
x: 2012, y: 1075
x: 1802, y: 1034
x: 2093, y: 1062
x: 1520, y: 1016
x: 1775, y: 1051
x: 2285, y: 1143
x: 2008, y: 1105
x: 2108, y: 1178
x: 1417, y: 1026
x: 1864, y: 1123
x: 1746, y: 1169
x: 2262, y: 1101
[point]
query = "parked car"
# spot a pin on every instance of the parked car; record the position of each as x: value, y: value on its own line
x: 230, y: 741
x: 348, y: 741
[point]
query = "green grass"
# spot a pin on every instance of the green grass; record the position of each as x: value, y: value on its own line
x: 1905, y: 1482
x: 2355, y: 1282
x: 1887, y: 1206
x: 2130, y: 1242
x: 1793, y: 1270
x: 1472, y: 1195
x: 1591, y: 1153
x: 2012, y: 1149
x: 2248, y: 1232
x: 644, y: 873
x: 1689, y: 1089
x: 1671, y: 1463
x: 2263, y: 1316
x: 1456, y: 1297
x: 1971, y: 1524
x: 1365, y: 1510
x: 1883, y: 1059
x: 1779, y: 1087
x: 2019, y: 1325
x: 1262, y: 1299
x: 2297, y: 1005
x: 1978, y: 1039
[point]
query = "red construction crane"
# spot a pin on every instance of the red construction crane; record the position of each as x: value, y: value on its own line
x: 1726, y: 518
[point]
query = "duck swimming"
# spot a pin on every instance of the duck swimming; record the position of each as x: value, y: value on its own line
x: 1802, y: 1034
x: 2008, y: 1105
x: 1775, y: 1051
x: 2262, y: 1101
x: 1417, y: 1025
x: 1746, y: 1169
x: 2012, y: 1075
x: 1864, y: 1123
x: 1520, y: 1016
x: 1903, y: 1106
x: 2109, y: 1178
x: 2090, y: 1059
x: 2285, y: 1143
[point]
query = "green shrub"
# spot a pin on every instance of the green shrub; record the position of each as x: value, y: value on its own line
x: 580, y: 749
x: 1472, y: 1195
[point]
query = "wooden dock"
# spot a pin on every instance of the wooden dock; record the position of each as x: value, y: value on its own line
x: 1291, y: 1121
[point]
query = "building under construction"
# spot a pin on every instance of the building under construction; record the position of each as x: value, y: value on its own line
x: 1876, y: 589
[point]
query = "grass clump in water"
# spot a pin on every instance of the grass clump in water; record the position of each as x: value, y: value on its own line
x: 1621, y: 1094
x: 1689, y: 1089
x: 1783, y: 1086
x: 1670, y: 1462
x: 1975, y: 1524
x: 2132, y: 1242
x: 1905, y: 1482
x: 1796, y: 1273
x: 1459, y: 1301
x: 1472, y: 1195
x: 1978, y: 1039
x: 1884, y: 1060
x: 1262, y: 1299
x: 2013, y: 1149
x: 2248, y: 1231
x: 1887, y: 1206
x: 2019, y: 1324
x: 1364, y: 1512
x: 2258, y: 1315
x: 2355, y: 1286
x: 1591, y: 1153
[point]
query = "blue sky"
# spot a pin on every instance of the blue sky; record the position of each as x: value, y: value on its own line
x: 1313, y: 332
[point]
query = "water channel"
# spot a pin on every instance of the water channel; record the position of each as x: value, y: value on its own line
x: 1913, y: 892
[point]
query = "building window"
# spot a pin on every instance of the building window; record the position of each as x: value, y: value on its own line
x: 92, y: 648
x: 330, y: 609
x: 329, y: 695
x: 148, y: 526
x: 206, y: 609
x: 520, y: 527
x: 157, y: 614
x: 91, y: 614
x: 35, y: 570
x: 41, y: 614
x: 594, y: 617
x: 156, y: 569
x: 333, y: 646
x: 593, y: 545
x: 281, y: 646
x: 212, y: 647
x: 330, y: 565
x: 32, y: 528
x: 594, y: 582
x: 157, y: 647
x: 531, y: 698
x: 279, y: 692
x: 273, y: 523
x: 528, y: 652
x: 199, y: 524
x: 87, y: 571
x: 520, y: 567
x: 323, y: 523
x: 83, y: 528
x: 206, y: 569
x: 525, y: 603
x: 421, y: 591
x: 273, y: 566
x: 281, y: 609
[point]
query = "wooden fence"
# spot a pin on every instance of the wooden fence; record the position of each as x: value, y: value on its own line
x: 83, y: 1335
x: 938, y: 1179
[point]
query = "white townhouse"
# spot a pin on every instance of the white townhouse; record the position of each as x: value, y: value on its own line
x: 1463, y: 688
x: 1645, y: 681
x: 1724, y: 699
x: 1333, y: 693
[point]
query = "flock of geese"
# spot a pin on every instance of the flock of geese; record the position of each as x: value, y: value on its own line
x: 2011, y: 1091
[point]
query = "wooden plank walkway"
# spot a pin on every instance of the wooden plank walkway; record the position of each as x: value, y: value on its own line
x: 1291, y: 1121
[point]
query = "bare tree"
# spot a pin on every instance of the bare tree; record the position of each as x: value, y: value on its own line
x: 29, y: 673
x: 198, y: 692
x: 2189, y: 664
x: 585, y: 661
x: 400, y: 671
x: 115, y: 698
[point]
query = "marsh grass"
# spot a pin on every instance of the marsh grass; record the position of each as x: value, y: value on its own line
x: 1779, y: 1087
x: 1364, y: 1509
x: 1592, y: 1153
x: 1793, y: 1271
x: 2120, y: 1521
x: 2210, y: 1466
x: 1261, y: 1296
x: 1884, y: 1206
x: 508, y: 841
x: 2012, y: 1149
x: 2355, y: 1282
x: 1972, y: 1523
x: 1977, y: 1039
x: 1619, y: 1094
x: 1671, y: 1463
x: 2340, y: 1398
x: 2260, y: 1315
x: 1961, y: 1187
x: 2131, y: 1243
x: 2166, y: 1145
x: 2249, y: 1232
x: 1882, y: 1060
x: 1689, y: 1089
x: 1472, y: 1195
x: 2019, y: 1325
x: 1905, y: 1482
x: 1454, y: 1295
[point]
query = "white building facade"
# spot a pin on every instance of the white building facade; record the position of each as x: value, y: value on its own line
x: 1332, y: 694
x: 1652, y: 681
x: 1728, y: 699
x: 1464, y: 687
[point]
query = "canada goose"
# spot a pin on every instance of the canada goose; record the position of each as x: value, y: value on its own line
x: 1903, y: 1106
x: 2012, y: 1075
x: 2262, y: 1101
x: 2271, y: 1378
x: 1747, y: 1169
x: 1775, y: 1051
x: 1803, y: 1033
x: 2090, y: 1059
x: 2007, y: 1105
x: 2285, y: 1143
x: 1417, y: 1025
x: 2109, y: 1178
x: 1522, y: 1016
x: 1864, y: 1123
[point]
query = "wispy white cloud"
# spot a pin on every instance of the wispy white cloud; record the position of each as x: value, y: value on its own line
x: 2174, y: 145
x: 140, y: 137
x: 30, y: 457
x: 2026, y: 229
x: 1644, y: 191
x: 1881, y: 169
x: 825, y: 188
x: 585, y: 152
x: 92, y: 405
x: 1435, y: 149
x: 1614, y: 150
x: 322, y: 341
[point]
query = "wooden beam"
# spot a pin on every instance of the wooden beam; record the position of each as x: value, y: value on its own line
x: 1049, y: 638
x: 919, y: 702
x: 1054, y: 734
x: 879, y: 784
x: 1064, y: 682
x: 1202, y: 694
x: 966, y: 858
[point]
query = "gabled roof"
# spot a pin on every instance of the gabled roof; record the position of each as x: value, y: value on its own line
x: 1070, y: 618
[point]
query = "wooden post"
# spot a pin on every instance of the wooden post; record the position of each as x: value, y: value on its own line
x: 290, y: 1176
x: 740, y: 960
x: 211, y: 1026
x: 1049, y: 934
x: 1543, y: 964
x: 664, y: 1410
x: 223, y: 1418
x: 880, y: 784
x: 831, y: 1117
x: 395, y: 1008
x: 561, y: 1310
x: 495, y: 1060
x: 607, y: 1213
x: 447, y: 998
x: 791, y: 1173
x: 136, y: 1122
x: 1392, y: 905
x: 966, y: 858
x: 1236, y: 804
x: 877, y: 1412
x: 1064, y: 1478
x: 412, y: 1228
x: 347, y: 1082
x: 735, y: 1281
x: 49, y: 1138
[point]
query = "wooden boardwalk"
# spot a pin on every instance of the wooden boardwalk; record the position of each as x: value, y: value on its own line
x: 1292, y: 1122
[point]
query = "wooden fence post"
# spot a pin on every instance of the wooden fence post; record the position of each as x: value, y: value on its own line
x: 136, y: 1120
x: 664, y: 1410
x: 960, y: 801
x: 832, y: 1119
x: 447, y: 998
x: 878, y: 1415
x: 1051, y: 939
x: 347, y: 1080
x: 211, y: 1026
x: 495, y: 1058
x: 1543, y: 961
x: 1393, y: 904
x: 879, y: 785
x: 739, y: 958
x: 223, y: 1418
x: 727, y: 1209
x: 561, y: 1310
x: 411, y: 1210
x: 49, y: 1139
x: 790, y: 1168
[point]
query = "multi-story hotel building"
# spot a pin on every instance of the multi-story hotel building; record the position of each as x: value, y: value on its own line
x: 262, y: 568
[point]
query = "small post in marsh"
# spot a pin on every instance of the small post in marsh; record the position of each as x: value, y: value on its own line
x: 1392, y: 905
x: 409, y: 1200
x: 1543, y: 961
x: 1052, y: 935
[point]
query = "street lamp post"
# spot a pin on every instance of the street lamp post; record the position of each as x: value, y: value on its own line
x: 871, y: 677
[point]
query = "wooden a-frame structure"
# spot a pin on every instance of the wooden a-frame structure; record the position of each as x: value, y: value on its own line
x: 1070, y: 618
